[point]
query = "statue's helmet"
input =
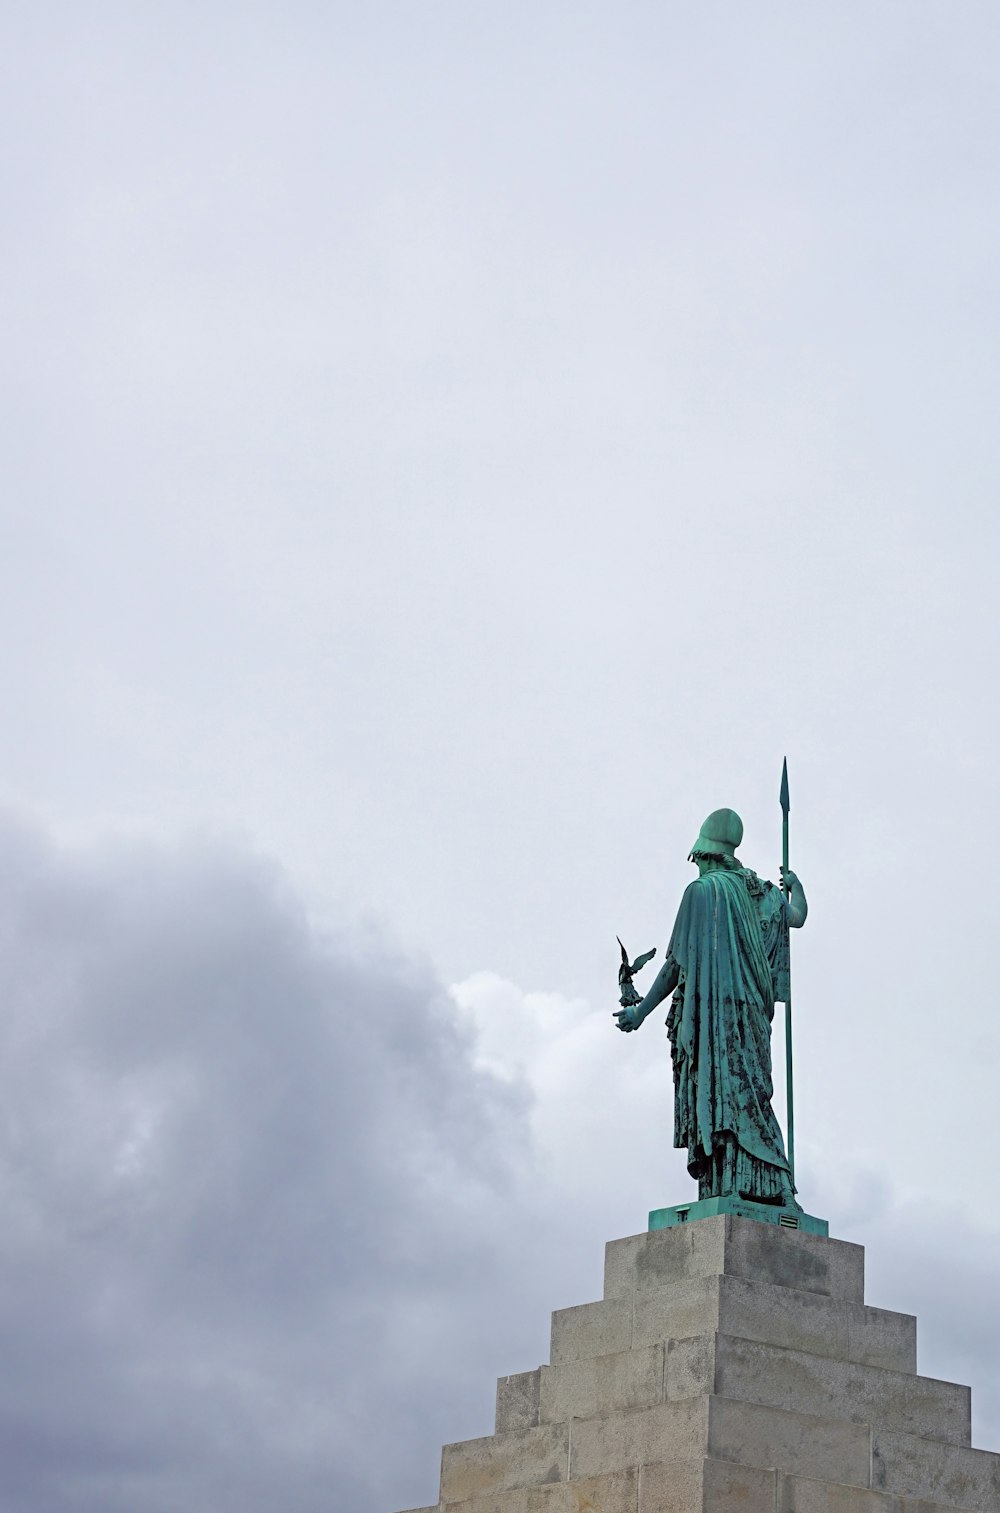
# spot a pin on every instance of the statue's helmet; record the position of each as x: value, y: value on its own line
x: 720, y: 834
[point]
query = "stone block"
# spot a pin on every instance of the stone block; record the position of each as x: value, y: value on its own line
x: 598, y: 1494
x: 749, y: 1371
x: 620, y: 1262
x: 690, y: 1368
x: 955, y: 1475
x: 517, y: 1401
x: 603, y: 1384
x: 803, y: 1444
x: 670, y: 1431
x: 592, y: 1329
x: 880, y: 1337
x: 789, y: 1258
x: 677, y: 1311
x: 786, y: 1317
x: 735, y: 1247
x: 800, y: 1320
x: 670, y: 1255
x: 775, y: 1316
x: 747, y: 1433
x: 530, y: 1457
x: 797, y: 1495
x: 706, y: 1486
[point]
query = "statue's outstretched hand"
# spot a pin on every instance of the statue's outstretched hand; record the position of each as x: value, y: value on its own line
x: 625, y: 1018
x: 789, y: 877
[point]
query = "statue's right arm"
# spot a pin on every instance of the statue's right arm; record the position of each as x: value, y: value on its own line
x: 666, y: 980
x: 797, y: 906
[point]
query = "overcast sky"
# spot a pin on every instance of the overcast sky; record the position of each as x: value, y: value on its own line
x: 448, y: 450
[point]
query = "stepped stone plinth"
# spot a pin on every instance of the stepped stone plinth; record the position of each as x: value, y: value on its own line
x: 731, y: 1367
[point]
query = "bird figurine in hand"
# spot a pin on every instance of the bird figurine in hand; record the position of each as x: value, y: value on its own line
x: 629, y: 996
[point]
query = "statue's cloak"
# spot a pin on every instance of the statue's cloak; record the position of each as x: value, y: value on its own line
x: 730, y: 942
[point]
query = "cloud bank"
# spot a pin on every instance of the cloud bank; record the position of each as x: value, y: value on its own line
x: 252, y: 1189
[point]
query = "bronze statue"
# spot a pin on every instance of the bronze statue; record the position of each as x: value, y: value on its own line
x: 726, y: 966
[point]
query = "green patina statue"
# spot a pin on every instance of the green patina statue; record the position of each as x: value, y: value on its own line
x: 727, y: 964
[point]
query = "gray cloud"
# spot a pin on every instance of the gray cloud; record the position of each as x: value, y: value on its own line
x: 254, y: 1191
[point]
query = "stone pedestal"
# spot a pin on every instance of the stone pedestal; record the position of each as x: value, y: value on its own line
x: 732, y: 1367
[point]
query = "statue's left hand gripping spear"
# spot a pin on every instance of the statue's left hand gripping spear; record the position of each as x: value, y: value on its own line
x: 626, y: 973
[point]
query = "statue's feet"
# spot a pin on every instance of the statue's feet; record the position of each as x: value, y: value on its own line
x: 784, y: 1200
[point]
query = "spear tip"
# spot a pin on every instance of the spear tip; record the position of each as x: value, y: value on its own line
x: 783, y: 796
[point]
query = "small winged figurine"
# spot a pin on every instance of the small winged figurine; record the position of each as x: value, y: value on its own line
x: 626, y: 973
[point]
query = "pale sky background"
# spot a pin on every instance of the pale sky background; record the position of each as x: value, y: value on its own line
x: 449, y: 449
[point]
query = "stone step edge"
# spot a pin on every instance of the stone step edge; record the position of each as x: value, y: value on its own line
x: 769, y: 1407
x: 698, y: 1407
x: 724, y: 1236
x: 887, y: 1477
x: 792, y: 1350
x: 577, y: 1332
x: 891, y: 1376
x: 817, y: 1299
x: 749, y: 1339
x: 876, y: 1501
x: 880, y: 1501
x: 877, y: 1497
x: 891, y: 1440
x: 940, y: 1445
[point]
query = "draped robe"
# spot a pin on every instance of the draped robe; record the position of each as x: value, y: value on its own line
x: 730, y: 943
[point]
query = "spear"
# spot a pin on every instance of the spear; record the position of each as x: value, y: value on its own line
x: 789, y: 1096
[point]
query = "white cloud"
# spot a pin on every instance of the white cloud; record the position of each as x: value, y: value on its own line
x: 601, y: 1111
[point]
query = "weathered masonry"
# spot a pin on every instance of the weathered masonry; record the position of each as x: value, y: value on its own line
x: 732, y: 1367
